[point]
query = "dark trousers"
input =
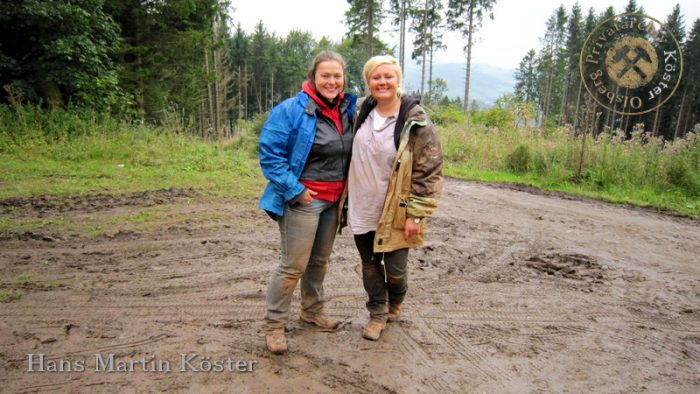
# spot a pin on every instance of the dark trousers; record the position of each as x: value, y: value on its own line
x: 393, y: 290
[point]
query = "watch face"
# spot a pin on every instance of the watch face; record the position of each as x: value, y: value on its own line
x: 416, y: 220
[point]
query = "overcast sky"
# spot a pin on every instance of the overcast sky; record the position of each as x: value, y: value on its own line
x: 517, y: 26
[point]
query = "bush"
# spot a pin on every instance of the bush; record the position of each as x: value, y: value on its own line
x: 679, y: 175
x: 443, y: 116
x: 519, y: 159
x: 494, y: 117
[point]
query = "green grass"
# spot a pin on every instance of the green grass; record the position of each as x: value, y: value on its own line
x: 80, y: 153
x: 23, y: 278
x: 8, y: 295
x: 128, y: 159
x: 641, y: 170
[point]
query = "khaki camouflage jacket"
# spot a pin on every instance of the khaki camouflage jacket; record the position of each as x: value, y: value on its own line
x: 416, y: 182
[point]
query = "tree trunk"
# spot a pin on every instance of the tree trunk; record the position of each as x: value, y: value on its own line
x: 655, y: 127
x: 210, y: 94
x: 217, y: 87
x: 469, y: 59
x: 370, y: 33
x: 565, y: 100
x: 578, y: 103
x: 430, y: 76
x: 402, y: 36
x: 680, y: 114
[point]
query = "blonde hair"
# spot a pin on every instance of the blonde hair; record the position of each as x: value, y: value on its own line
x: 377, y: 61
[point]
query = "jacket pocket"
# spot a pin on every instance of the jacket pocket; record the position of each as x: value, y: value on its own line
x: 399, y: 221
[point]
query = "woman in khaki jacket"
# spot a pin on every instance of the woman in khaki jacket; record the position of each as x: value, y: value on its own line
x: 394, y: 183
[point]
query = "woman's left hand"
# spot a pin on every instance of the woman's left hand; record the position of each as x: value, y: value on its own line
x: 410, y: 228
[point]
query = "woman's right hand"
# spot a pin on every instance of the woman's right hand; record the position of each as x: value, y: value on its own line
x: 307, y: 197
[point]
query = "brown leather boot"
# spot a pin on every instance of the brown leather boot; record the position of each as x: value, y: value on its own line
x: 373, y: 330
x: 322, y: 320
x: 394, y: 313
x: 276, y: 342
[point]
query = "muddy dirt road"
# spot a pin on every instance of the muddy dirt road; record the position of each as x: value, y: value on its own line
x: 514, y: 292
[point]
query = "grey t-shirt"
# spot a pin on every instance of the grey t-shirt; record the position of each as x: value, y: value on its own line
x: 373, y: 154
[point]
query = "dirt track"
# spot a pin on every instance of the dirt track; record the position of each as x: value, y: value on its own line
x: 513, y: 292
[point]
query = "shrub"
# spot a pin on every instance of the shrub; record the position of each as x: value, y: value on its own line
x: 679, y: 175
x: 443, y: 116
x: 494, y: 117
x: 519, y: 159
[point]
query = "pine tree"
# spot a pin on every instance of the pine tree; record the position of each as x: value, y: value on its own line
x: 59, y: 53
x: 427, y: 27
x: 401, y: 11
x: 588, y: 27
x: 466, y: 16
x: 668, y: 114
x: 572, y: 81
x: 435, y: 35
x: 689, y: 110
x: 166, y: 49
x: 526, y: 78
x: 553, y: 63
x: 239, y: 48
x: 364, y: 19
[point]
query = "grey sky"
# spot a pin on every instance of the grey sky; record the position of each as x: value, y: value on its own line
x: 517, y: 25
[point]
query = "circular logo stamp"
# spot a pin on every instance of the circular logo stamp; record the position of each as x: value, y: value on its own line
x: 631, y: 64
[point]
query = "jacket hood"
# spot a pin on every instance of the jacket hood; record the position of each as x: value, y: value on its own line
x: 407, y: 111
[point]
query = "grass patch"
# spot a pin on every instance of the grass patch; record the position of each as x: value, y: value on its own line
x: 23, y: 278
x: 640, y: 170
x: 124, y: 219
x: 82, y: 153
x: 126, y: 162
x: 101, y: 155
x: 9, y: 295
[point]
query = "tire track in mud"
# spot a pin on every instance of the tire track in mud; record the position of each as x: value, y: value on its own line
x: 120, y: 346
x: 245, y: 310
x: 477, y: 317
x: 47, y: 387
x: 479, y: 359
x: 335, y: 377
x: 414, y: 349
x: 652, y: 344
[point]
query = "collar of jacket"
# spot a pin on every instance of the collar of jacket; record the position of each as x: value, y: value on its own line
x: 346, y: 105
x: 407, y: 104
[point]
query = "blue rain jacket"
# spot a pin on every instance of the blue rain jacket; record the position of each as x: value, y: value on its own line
x: 285, y: 142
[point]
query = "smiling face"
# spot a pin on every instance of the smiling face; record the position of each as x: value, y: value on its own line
x: 383, y: 83
x: 329, y: 79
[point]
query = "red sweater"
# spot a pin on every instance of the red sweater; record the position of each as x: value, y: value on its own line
x: 327, y: 190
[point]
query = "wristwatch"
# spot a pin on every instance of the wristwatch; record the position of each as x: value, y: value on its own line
x: 416, y: 220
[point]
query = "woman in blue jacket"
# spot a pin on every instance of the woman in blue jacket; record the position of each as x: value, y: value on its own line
x: 304, y: 152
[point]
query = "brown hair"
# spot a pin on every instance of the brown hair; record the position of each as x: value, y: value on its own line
x: 324, y: 56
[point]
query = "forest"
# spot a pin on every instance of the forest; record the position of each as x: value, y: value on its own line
x: 85, y: 77
x: 189, y: 63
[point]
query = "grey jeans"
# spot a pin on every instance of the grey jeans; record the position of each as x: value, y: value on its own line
x: 307, y: 232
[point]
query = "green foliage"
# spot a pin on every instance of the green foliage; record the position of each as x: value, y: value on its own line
x: 364, y: 19
x: 494, y: 117
x: 103, y: 155
x: 519, y: 159
x: 59, y: 52
x: 23, y: 278
x: 642, y: 169
x: 8, y: 295
x: 446, y: 115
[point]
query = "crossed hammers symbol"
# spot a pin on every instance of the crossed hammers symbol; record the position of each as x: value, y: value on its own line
x: 631, y: 64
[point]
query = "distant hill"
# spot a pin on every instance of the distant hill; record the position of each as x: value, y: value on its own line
x: 487, y: 82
